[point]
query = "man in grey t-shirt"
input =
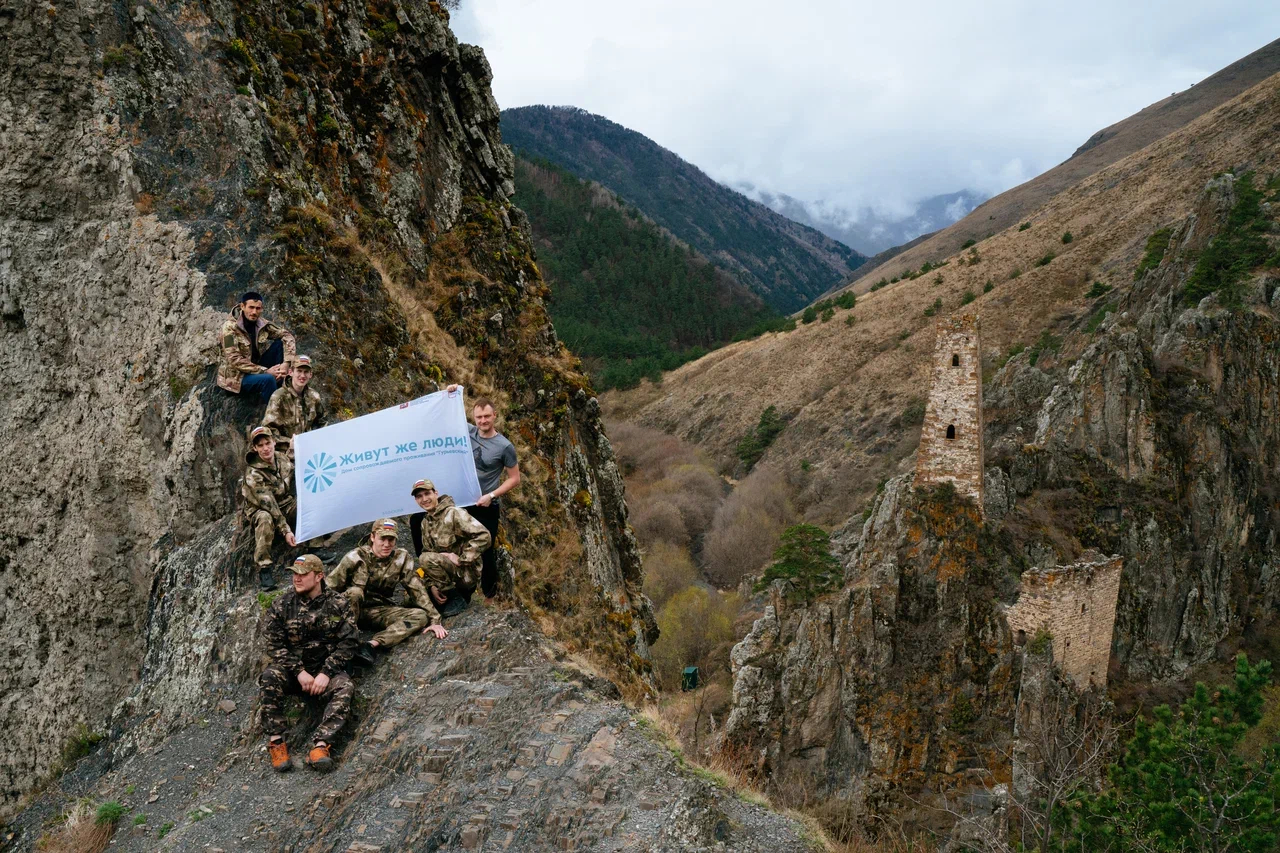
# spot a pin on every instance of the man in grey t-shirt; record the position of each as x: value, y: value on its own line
x: 498, y: 471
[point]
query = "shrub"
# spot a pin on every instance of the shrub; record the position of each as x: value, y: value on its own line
x: 989, y: 286
x: 1240, y: 247
x: 81, y: 740
x: 164, y: 830
x: 120, y: 56
x: 934, y: 308
x: 913, y: 414
x: 803, y: 559
x: 668, y: 569
x: 109, y: 812
x: 1096, y: 320
x: 746, y: 527
x: 1014, y: 273
x: 1041, y: 642
x: 937, y: 279
x: 1098, y: 289
x: 881, y: 283
x: 139, y: 820
x: 847, y: 300
x: 696, y: 630
x: 753, y: 445
x: 1046, y: 260
x: 1157, y: 245
x: 848, y: 321
x: 244, y: 90
x: 659, y: 521
x: 1067, y: 238
x: 968, y: 243
x: 828, y: 313
x: 1046, y: 342
x: 238, y: 51
x: 1026, y: 226
x: 967, y: 297
x: 1182, y: 777
x: 328, y: 127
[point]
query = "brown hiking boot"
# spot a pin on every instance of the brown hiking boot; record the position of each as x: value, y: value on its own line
x: 279, y: 752
x: 318, y: 758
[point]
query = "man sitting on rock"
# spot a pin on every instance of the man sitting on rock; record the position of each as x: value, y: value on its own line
x: 256, y: 353
x: 452, y: 542
x: 369, y: 576
x: 295, y: 406
x: 267, y: 490
x: 311, y: 636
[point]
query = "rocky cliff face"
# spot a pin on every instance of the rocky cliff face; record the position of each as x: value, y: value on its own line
x: 156, y: 160
x: 1148, y: 430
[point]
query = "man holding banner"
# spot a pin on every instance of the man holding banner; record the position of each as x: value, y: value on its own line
x: 360, y: 470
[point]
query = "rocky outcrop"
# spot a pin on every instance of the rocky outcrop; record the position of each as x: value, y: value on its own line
x: 344, y: 160
x: 1148, y: 431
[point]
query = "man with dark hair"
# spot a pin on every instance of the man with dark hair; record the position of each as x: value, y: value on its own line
x: 267, y: 490
x: 498, y: 470
x: 295, y: 406
x: 256, y: 353
x: 450, y: 544
x: 369, y: 576
x: 311, y: 637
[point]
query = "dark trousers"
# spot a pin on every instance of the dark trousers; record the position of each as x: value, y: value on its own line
x: 276, y: 682
x: 488, y: 516
x: 264, y: 384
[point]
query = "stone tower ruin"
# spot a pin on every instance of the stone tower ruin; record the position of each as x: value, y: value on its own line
x: 1076, y: 606
x: 951, y: 440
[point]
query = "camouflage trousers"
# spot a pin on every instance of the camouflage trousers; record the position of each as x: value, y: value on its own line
x: 277, y: 682
x: 264, y: 533
x: 397, y: 623
x: 441, y: 573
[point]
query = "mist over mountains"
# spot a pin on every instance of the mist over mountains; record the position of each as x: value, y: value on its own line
x: 865, y: 229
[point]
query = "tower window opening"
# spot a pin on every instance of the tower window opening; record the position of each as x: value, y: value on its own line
x: 955, y: 359
x: 1083, y: 608
x: 951, y: 431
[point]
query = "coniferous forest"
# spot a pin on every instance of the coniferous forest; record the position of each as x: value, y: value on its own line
x: 625, y: 295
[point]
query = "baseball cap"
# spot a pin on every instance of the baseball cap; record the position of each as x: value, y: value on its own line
x: 421, y: 485
x: 306, y: 564
x: 385, y: 527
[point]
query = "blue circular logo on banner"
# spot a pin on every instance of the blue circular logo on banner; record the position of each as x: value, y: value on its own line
x: 320, y: 472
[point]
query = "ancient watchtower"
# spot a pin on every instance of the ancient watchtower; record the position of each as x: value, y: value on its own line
x: 951, y: 441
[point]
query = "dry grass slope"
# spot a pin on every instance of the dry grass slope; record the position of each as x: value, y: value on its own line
x: 846, y: 385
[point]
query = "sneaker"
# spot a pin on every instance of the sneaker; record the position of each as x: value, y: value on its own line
x: 318, y: 759
x: 454, y: 606
x: 279, y: 752
x: 267, y: 578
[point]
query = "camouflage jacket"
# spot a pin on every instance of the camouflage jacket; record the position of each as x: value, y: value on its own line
x: 237, y: 354
x: 268, y: 486
x: 318, y: 635
x: 289, y: 413
x: 371, y: 582
x: 449, y: 528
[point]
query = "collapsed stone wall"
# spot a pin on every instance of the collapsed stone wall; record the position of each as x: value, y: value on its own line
x: 1076, y: 605
x: 154, y: 162
x: 951, y: 438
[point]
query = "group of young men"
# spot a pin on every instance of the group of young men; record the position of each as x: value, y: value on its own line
x: 313, y: 628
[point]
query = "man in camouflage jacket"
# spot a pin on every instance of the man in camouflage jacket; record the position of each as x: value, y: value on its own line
x: 311, y: 636
x: 267, y: 489
x: 450, y: 543
x: 295, y: 406
x: 256, y: 353
x: 369, y: 576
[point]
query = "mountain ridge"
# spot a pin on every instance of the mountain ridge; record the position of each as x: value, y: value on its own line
x: 785, y: 262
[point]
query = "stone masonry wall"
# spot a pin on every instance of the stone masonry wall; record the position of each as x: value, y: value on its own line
x: 1076, y: 604
x: 955, y: 405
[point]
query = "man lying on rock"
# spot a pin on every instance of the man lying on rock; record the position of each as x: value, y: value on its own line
x: 369, y: 575
x: 256, y: 353
x: 452, y: 544
x: 295, y: 406
x: 311, y: 635
x: 267, y: 489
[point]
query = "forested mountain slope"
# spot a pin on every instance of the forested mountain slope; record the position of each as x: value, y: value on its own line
x: 625, y: 295
x: 786, y: 263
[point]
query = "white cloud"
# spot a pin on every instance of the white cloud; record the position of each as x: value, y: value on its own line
x: 860, y: 104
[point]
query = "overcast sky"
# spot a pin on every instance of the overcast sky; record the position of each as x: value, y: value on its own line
x: 858, y: 103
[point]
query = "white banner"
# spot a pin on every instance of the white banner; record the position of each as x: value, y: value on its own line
x: 362, y: 469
